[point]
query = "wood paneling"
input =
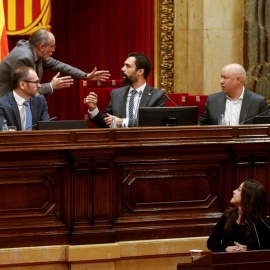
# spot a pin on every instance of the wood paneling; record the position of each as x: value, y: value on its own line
x: 106, y: 185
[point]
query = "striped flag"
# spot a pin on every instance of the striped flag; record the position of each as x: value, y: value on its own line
x: 3, y: 33
x: 23, y: 17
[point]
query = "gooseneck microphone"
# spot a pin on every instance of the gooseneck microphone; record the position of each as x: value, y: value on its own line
x: 251, y: 118
x: 171, y: 100
x: 51, y: 119
x: 255, y: 232
x: 137, y: 107
x: 265, y: 224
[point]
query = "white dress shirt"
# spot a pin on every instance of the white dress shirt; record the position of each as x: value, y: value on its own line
x: 233, y: 109
x: 137, y: 99
x: 22, y: 109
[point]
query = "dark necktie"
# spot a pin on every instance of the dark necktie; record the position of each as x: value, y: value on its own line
x: 28, y: 116
x: 131, y: 104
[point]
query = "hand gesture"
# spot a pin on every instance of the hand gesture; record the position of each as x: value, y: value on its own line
x: 61, y: 82
x: 101, y: 75
x: 109, y: 118
x: 92, y: 100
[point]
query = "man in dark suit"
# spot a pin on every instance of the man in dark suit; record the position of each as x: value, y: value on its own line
x: 235, y: 104
x: 125, y: 101
x: 13, y: 106
x: 36, y: 53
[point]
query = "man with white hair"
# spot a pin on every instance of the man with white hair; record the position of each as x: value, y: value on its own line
x: 235, y: 104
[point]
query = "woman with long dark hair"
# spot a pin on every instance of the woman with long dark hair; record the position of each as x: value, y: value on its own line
x: 244, y: 226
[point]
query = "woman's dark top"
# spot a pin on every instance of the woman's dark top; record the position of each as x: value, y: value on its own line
x: 219, y: 240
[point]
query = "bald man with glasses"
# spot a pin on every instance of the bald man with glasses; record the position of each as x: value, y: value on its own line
x: 24, y: 107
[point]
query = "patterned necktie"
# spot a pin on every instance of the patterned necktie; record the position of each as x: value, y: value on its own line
x: 131, y: 104
x: 28, y: 120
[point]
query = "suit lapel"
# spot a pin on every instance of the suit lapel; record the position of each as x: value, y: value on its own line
x: 245, y: 106
x: 15, y: 109
x: 221, y: 105
x: 122, y: 101
x: 147, y: 93
x: 40, y: 69
x: 33, y: 108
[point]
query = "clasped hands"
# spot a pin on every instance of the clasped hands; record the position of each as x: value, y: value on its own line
x: 236, y: 248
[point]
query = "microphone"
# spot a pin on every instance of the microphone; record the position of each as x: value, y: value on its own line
x: 170, y: 99
x: 137, y: 107
x: 51, y: 119
x: 265, y: 223
x: 255, y: 232
x: 246, y: 121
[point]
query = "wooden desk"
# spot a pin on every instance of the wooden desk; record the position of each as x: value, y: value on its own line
x: 250, y: 260
x: 106, y: 185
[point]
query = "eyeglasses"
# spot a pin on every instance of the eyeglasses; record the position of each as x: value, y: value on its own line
x: 36, y: 82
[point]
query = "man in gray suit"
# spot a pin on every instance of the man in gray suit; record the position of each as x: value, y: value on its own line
x: 125, y: 101
x: 235, y: 104
x: 13, y: 106
x: 36, y: 53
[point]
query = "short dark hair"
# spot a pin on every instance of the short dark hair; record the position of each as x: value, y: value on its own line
x: 41, y: 36
x: 21, y: 74
x: 142, y: 62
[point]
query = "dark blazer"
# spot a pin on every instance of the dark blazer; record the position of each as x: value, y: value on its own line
x: 9, y: 110
x: 220, y: 239
x: 252, y: 105
x: 23, y: 55
x: 151, y: 97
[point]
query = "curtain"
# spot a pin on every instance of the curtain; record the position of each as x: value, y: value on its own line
x: 99, y: 34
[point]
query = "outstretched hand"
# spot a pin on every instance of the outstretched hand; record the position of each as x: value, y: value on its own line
x: 101, y: 75
x: 61, y: 82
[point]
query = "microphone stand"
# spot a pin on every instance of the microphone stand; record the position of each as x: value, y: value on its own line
x: 170, y: 100
x: 255, y: 232
x: 51, y: 119
x: 245, y: 122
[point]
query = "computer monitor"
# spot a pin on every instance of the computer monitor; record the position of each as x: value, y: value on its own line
x: 167, y: 116
x: 261, y: 120
x: 65, y: 124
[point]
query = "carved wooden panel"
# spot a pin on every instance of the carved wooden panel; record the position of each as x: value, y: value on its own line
x: 33, y: 192
x: 100, y: 186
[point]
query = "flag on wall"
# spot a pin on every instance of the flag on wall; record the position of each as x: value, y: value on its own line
x: 23, y: 17
x: 3, y: 33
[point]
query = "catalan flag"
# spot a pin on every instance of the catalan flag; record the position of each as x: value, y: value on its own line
x: 3, y: 33
x: 23, y: 17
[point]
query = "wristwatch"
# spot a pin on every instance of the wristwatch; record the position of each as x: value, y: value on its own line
x: 85, y: 76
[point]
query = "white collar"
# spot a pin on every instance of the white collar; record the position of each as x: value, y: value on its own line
x: 141, y: 88
x: 18, y: 98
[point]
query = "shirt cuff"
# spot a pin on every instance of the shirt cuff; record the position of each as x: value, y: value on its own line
x: 51, y: 87
x: 93, y: 113
x: 125, y: 123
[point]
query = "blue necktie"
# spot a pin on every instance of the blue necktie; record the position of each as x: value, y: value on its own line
x: 131, y: 104
x: 28, y: 120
